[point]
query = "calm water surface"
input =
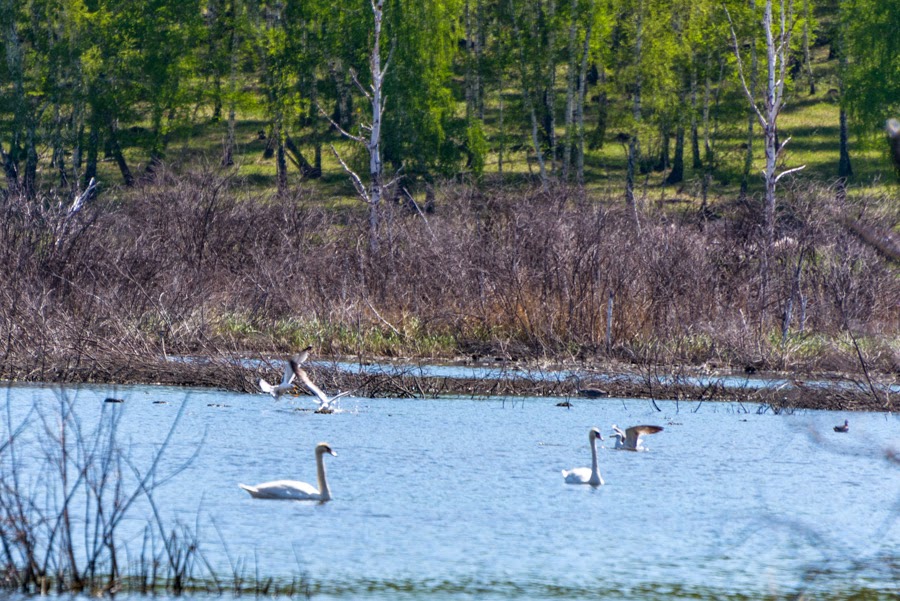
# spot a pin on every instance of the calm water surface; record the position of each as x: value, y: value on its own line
x: 461, y: 498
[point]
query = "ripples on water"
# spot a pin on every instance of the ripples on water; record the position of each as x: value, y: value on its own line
x: 461, y: 498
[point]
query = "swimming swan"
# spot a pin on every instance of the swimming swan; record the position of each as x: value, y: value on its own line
x: 287, y: 379
x: 630, y: 439
x: 294, y: 490
x: 584, y: 475
x: 323, y: 399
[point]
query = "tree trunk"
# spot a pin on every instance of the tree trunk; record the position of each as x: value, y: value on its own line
x: 676, y: 175
x: 316, y: 134
x: 598, y: 137
x: 502, y: 131
x: 549, y: 95
x: 93, y: 145
x: 582, y: 92
x: 806, y: 54
x: 116, y: 151
x: 697, y: 162
x: 233, y: 46
x: 376, y: 167
x: 776, y: 64
x: 662, y: 159
x: 472, y: 76
x: 19, y: 103
x: 633, y: 144
x: 280, y: 159
x: 31, y: 159
x: 570, y: 93
x: 343, y: 104
x: 536, y: 142
x: 479, y: 58
x: 306, y: 169
x: 751, y: 116
x: 9, y: 167
x: 528, y: 103
x: 845, y: 170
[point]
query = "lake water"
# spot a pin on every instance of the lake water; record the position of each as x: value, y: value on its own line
x: 463, y: 499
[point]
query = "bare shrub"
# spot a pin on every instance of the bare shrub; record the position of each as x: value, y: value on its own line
x: 199, y: 264
x: 65, y: 491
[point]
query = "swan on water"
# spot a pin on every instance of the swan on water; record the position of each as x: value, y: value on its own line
x: 287, y: 379
x: 843, y: 428
x: 323, y: 399
x: 587, y: 475
x: 294, y: 490
x: 630, y: 439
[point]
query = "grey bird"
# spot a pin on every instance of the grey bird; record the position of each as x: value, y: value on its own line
x: 287, y: 379
x: 325, y: 402
x: 630, y: 439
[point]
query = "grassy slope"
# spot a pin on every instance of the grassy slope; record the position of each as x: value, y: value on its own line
x: 811, y: 121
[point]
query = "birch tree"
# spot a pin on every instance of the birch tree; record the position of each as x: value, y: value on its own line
x: 372, y: 192
x: 777, y: 46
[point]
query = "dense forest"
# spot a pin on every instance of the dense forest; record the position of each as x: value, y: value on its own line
x: 469, y: 86
x: 561, y: 179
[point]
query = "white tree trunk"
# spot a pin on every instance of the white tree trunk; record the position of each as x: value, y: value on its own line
x: 776, y: 70
x: 582, y: 92
x: 376, y: 169
x: 634, y: 144
x: 372, y: 193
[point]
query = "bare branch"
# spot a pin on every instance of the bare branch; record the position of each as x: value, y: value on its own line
x: 359, y: 85
x: 384, y: 321
x: 421, y: 214
x: 789, y: 171
x: 357, y: 182
x: 740, y: 65
x: 344, y: 132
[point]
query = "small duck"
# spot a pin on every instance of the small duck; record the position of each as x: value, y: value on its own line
x: 844, y: 428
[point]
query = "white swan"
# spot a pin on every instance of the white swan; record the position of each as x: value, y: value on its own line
x: 584, y: 475
x: 630, y: 439
x: 324, y: 401
x: 287, y: 379
x: 293, y: 489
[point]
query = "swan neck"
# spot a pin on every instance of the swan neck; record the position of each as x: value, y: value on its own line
x: 320, y: 475
x: 594, y: 471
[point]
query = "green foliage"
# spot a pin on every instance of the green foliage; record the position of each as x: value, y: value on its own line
x: 84, y: 80
x: 477, y: 146
x: 872, y: 77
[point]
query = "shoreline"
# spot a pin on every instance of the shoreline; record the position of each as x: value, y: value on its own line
x: 575, y: 384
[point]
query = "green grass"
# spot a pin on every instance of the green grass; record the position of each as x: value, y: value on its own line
x: 811, y: 121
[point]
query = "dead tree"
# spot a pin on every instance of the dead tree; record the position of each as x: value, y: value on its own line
x: 371, y: 194
x: 777, y: 46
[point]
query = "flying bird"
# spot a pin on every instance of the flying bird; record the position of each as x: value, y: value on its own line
x: 324, y: 400
x: 287, y: 379
x: 630, y: 439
